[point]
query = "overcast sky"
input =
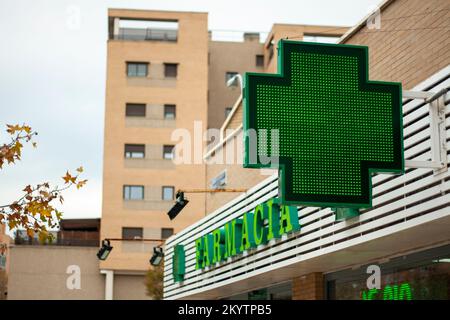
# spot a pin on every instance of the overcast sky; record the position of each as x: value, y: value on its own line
x: 52, y: 77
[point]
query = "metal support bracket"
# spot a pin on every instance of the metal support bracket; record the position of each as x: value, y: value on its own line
x: 342, y: 214
x: 436, y: 103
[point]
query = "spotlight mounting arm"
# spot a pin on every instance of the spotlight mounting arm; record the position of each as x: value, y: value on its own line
x: 181, y: 201
x: 137, y: 239
x: 210, y: 190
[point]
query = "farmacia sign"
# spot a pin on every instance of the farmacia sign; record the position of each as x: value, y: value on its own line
x: 269, y: 220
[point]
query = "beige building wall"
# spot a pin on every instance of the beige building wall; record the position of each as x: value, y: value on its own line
x: 225, y: 56
x: 293, y: 32
x: 412, y: 44
x: 47, y: 276
x: 40, y: 272
x: 189, y: 93
x: 129, y: 287
x: 4, y: 264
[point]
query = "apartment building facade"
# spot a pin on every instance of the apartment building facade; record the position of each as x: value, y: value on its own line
x: 156, y: 83
x: 227, y: 59
x: 405, y: 233
x: 254, y: 54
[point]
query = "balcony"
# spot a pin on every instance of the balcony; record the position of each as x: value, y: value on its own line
x: 73, y: 232
x: 143, y: 30
x: 147, y: 34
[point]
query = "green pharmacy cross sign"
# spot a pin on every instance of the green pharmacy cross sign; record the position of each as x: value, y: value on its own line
x: 323, y: 124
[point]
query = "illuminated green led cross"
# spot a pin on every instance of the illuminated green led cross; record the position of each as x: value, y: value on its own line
x: 335, y: 127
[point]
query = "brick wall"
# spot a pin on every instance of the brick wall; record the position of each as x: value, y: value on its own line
x: 412, y: 43
x: 308, y: 287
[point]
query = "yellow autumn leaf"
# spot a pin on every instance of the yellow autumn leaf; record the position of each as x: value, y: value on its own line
x: 30, y: 233
x: 68, y: 178
x: 81, y: 183
x: 13, y: 128
x: 27, y: 129
x: 43, y: 236
x: 46, y: 212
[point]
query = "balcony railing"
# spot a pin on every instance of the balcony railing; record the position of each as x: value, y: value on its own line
x: 148, y: 34
x: 63, y: 238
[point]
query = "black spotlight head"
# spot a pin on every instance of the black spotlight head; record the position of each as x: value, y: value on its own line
x: 105, y: 250
x: 158, y: 255
x: 180, y: 203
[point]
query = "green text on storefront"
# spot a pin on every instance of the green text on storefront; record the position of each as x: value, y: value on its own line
x: 268, y: 221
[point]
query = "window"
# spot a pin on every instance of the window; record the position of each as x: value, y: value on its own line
x: 166, y: 233
x: 229, y: 75
x: 170, y: 70
x: 227, y: 111
x: 135, y: 151
x: 169, y: 111
x: 135, y: 110
x: 168, y: 152
x: 259, y: 60
x: 132, y: 233
x: 137, y: 69
x: 167, y: 193
x: 133, y: 192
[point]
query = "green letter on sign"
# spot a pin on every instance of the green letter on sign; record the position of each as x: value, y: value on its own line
x: 178, y: 263
x: 405, y: 292
x: 218, y: 247
x: 208, y: 250
x: 259, y: 232
x: 199, y: 247
x: 247, y: 240
x: 233, y: 234
x: 289, y: 219
x: 273, y: 211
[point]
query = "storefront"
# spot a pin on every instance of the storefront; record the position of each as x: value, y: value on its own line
x: 317, y: 256
x: 423, y: 275
x: 362, y: 174
x: 420, y: 276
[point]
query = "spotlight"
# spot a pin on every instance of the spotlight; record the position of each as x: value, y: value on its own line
x: 158, y: 255
x: 180, y: 203
x: 105, y: 250
x: 235, y: 81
